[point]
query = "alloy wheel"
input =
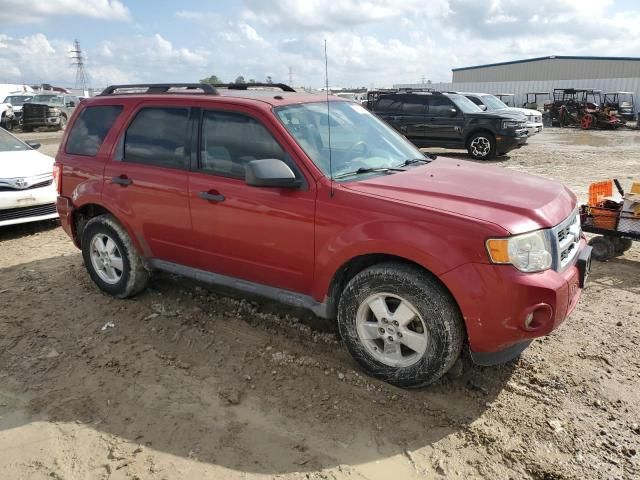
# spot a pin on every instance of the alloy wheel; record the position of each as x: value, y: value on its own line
x: 391, y: 330
x: 106, y: 258
x: 480, y: 146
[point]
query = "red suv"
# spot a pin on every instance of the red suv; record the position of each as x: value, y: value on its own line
x: 315, y: 202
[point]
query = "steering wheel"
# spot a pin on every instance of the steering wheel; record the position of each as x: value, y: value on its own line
x: 359, y: 144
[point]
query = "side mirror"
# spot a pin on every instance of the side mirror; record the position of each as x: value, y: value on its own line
x: 34, y: 145
x: 483, y: 108
x: 453, y: 112
x: 270, y: 172
x: 71, y: 104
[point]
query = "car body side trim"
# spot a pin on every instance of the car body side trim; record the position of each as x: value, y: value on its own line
x: 285, y: 296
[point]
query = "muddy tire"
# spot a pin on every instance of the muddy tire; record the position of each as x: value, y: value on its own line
x: 400, y: 324
x: 63, y: 123
x: 603, y: 248
x: 482, y: 146
x: 111, y: 258
x: 621, y: 245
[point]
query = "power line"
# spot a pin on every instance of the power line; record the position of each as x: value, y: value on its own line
x: 78, y: 60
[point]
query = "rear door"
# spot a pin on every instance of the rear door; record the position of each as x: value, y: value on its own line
x: 264, y: 235
x: 411, y: 117
x: 442, y: 125
x: 146, y: 180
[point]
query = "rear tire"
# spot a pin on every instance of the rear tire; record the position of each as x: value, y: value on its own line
x: 482, y: 146
x: 603, y: 248
x: 621, y: 245
x: 400, y: 324
x: 111, y: 259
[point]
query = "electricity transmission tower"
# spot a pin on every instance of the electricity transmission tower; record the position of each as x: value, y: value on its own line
x: 78, y: 60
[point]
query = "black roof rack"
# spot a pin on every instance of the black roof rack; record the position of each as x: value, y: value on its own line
x: 206, y: 88
x: 246, y: 86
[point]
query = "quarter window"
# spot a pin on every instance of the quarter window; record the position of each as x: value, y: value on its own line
x: 90, y: 129
x: 157, y: 136
x: 231, y: 140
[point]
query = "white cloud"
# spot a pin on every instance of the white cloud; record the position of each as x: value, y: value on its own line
x: 21, y: 11
x: 370, y: 42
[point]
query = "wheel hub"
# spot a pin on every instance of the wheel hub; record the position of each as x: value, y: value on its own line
x: 391, y: 330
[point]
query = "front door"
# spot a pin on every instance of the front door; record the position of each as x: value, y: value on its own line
x: 263, y: 235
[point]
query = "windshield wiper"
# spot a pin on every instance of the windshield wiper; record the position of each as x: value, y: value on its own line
x: 363, y: 170
x: 411, y: 161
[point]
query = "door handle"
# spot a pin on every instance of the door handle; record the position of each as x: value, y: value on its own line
x: 211, y: 197
x: 122, y: 180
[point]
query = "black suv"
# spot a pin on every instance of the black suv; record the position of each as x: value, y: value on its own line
x: 450, y: 120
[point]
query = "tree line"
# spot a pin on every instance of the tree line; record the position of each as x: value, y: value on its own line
x: 213, y: 79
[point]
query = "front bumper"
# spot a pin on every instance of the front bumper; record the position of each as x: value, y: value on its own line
x: 41, y: 121
x: 30, y: 205
x: 507, y: 140
x: 534, y: 128
x: 496, y: 302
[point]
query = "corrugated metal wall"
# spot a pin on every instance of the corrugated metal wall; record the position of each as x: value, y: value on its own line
x: 552, y: 68
x: 521, y: 88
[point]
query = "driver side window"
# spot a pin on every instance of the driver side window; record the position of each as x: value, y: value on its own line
x: 230, y: 140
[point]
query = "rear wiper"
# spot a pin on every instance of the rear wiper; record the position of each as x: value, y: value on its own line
x: 363, y: 170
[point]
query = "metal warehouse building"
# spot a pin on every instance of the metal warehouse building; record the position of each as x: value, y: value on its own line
x: 543, y: 74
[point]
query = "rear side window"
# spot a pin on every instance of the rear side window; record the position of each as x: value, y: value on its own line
x: 476, y: 100
x: 157, y: 136
x: 440, y: 106
x: 388, y: 104
x: 90, y: 129
x: 414, y: 104
x: 230, y: 140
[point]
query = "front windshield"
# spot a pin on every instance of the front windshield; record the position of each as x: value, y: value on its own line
x: 17, y: 100
x: 464, y: 104
x: 358, y: 138
x: 53, y: 99
x: 9, y: 143
x: 493, y: 103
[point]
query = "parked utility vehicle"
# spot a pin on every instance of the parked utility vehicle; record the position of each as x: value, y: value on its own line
x: 319, y: 204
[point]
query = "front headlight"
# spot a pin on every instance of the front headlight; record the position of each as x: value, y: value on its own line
x: 54, y: 110
x: 529, y: 252
x: 511, y: 124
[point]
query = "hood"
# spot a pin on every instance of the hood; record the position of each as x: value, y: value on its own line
x: 525, y: 111
x: 24, y: 163
x: 505, y: 114
x: 517, y: 202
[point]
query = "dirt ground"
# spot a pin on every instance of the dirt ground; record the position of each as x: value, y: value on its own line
x: 191, y: 382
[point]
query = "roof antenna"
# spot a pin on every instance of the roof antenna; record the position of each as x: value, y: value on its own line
x: 326, y: 78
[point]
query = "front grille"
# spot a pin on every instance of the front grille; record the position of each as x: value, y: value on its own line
x: 46, y: 183
x: 566, y: 238
x: 25, y: 212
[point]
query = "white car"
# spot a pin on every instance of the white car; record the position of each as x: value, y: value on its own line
x: 492, y: 103
x: 27, y: 190
x: 16, y: 101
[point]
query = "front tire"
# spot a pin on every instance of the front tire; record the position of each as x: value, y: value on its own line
x: 603, y: 248
x: 482, y: 146
x: 400, y: 324
x: 111, y: 259
x: 63, y: 123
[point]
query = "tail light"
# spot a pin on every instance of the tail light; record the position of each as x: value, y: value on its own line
x: 57, y: 177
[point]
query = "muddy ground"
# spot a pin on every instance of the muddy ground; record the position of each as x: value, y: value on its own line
x: 191, y: 382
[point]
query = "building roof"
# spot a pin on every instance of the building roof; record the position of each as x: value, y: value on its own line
x: 550, y: 57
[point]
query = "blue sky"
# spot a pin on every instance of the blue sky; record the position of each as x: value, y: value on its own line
x: 370, y: 43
